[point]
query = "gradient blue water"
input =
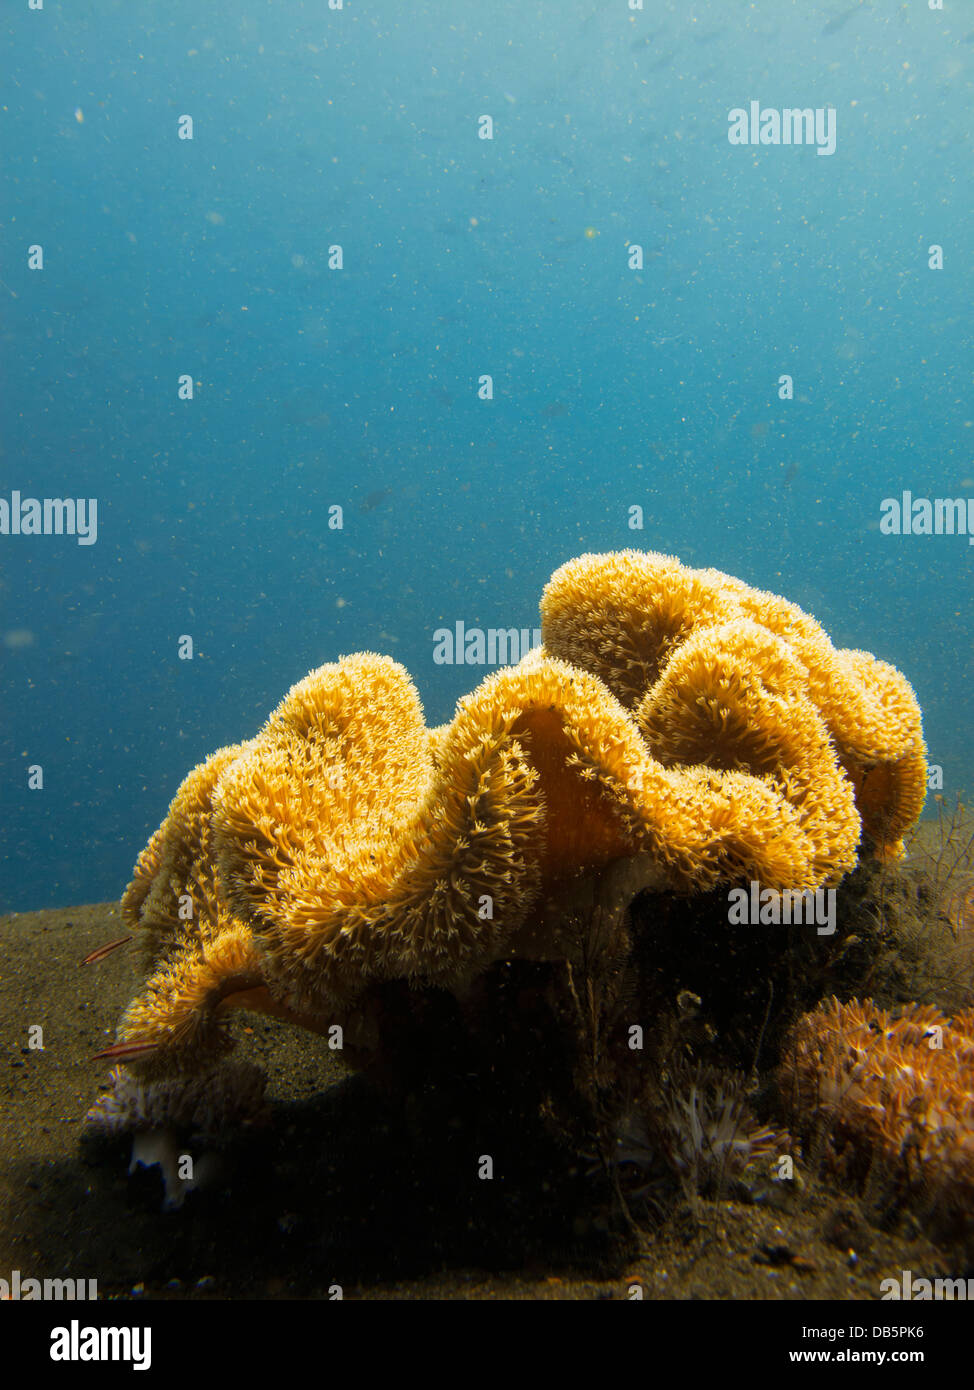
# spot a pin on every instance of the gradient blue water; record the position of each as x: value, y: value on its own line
x: 358, y: 387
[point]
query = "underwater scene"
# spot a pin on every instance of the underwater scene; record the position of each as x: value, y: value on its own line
x: 486, y: 523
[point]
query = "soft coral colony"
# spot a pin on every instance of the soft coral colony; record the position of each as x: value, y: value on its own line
x: 890, y: 1101
x: 673, y: 718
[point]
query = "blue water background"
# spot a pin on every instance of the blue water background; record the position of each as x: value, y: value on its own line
x: 462, y: 256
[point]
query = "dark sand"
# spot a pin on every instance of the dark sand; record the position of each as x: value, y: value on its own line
x: 337, y: 1189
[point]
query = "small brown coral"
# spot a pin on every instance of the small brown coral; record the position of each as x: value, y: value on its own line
x: 893, y: 1095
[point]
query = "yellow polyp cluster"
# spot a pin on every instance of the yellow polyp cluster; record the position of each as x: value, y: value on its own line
x: 697, y: 653
x: 672, y: 713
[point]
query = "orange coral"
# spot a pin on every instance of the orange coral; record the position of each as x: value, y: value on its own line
x: 890, y: 1091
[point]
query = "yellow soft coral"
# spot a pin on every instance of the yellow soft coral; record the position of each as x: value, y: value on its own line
x: 626, y: 616
x: 673, y: 715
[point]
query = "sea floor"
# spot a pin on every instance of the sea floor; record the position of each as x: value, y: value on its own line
x: 339, y: 1190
